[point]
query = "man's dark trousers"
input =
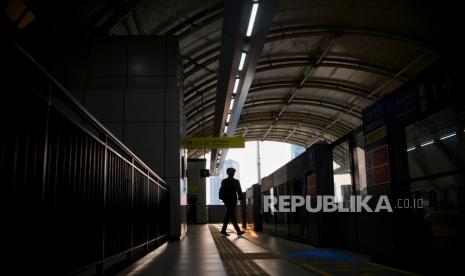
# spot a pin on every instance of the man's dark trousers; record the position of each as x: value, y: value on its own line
x: 230, y: 215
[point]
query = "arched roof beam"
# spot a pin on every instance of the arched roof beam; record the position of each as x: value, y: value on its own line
x: 287, y: 32
x: 210, y: 83
x: 191, y: 65
x: 297, y: 116
x: 332, y: 62
x: 292, y: 140
x: 289, y: 124
x: 278, y: 134
x: 308, y: 121
x: 305, y: 102
x: 266, y: 116
x: 338, y: 86
x: 209, y: 103
x: 203, y: 87
x: 282, y: 33
x: 354, y: 102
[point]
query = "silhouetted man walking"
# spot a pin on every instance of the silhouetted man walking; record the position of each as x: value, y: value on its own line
x: 230, y: 191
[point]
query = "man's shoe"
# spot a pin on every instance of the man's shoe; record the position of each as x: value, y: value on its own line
x: 224, y: 233
x: 240, y: 233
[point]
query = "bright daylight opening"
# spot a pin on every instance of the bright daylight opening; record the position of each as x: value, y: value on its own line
x: 273, y: 155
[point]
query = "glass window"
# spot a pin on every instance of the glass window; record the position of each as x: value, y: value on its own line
x: 360, y: 176
x: 342, y: 172
x: 436, y: 155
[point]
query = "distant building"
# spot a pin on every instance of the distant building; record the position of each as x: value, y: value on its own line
x: 296, y: 151
x: 215, y: 181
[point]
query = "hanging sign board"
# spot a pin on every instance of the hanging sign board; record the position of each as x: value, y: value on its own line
x: 213, y: 142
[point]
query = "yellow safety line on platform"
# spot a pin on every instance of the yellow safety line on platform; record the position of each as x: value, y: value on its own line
x: 316, y: 270
x: 393, y: 269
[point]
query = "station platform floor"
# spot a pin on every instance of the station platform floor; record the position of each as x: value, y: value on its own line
x: 205, y: 251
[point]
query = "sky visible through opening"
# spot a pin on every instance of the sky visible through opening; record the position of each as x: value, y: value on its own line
x: 273, y: 155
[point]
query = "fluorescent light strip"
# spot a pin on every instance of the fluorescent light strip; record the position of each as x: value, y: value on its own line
x: 427, y: 143
x: 228, y: 117
x: 231, y: 104
x: 411, y: 148
x: 448, y: 136
x: 253, y: 14
x: 236, y: 85
x: 241, y: 63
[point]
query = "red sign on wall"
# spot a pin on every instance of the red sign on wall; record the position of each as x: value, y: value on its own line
x: 380, y: 156
x: 381, y: 175
x: 377, y: 166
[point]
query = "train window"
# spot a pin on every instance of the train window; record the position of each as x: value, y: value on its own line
x: 342, y: 172
x: 436, y: 159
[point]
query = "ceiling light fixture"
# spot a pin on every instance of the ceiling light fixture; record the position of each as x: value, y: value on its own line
x: 231, y: 104
x: 427, y: 143
x: 236, y: 85
x: 253, y: 14
x: 448, y: 136
x: 241, y: 63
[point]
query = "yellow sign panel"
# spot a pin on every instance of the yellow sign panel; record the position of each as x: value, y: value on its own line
x: 214, y: 142
x: 376, y: 135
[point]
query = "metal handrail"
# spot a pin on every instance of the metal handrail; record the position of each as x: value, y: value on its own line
x: 81, y: 110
